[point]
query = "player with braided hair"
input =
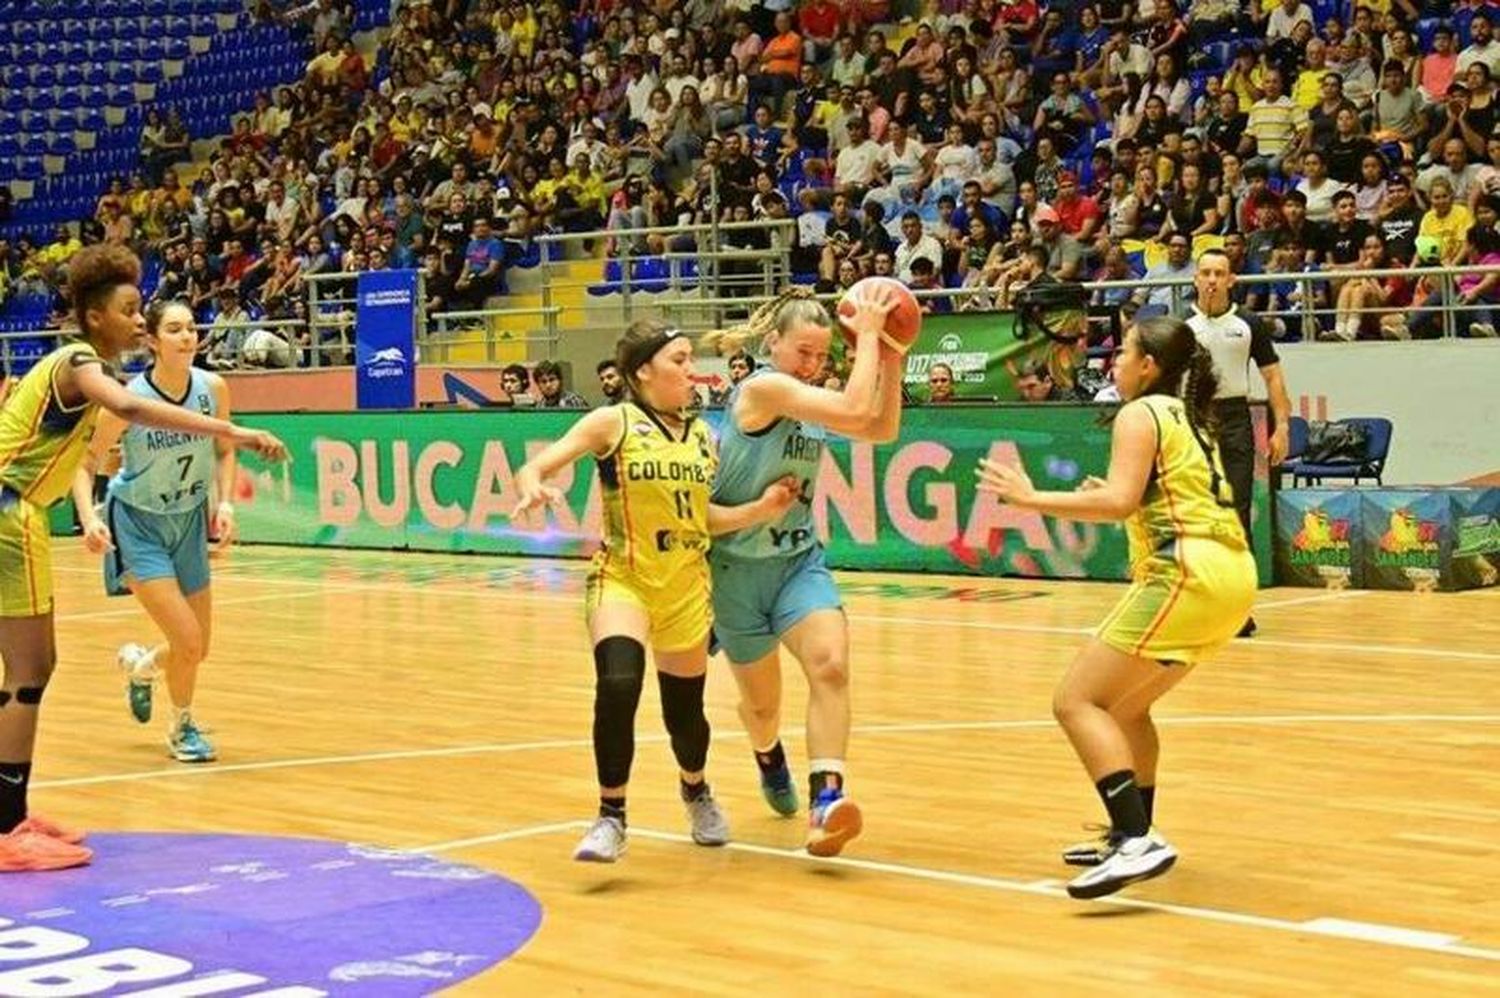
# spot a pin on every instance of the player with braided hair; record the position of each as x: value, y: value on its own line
x: 770, y: 584
x: 1193, y: 580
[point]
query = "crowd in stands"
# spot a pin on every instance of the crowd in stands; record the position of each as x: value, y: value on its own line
x: 965, y: 144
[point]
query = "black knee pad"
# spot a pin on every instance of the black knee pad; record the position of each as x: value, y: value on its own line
x: 682, y: 710
x: 30, y: 695
x: 620, y: 671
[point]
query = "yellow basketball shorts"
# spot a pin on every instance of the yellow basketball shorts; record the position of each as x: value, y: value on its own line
x: 25, y: 558
x: 1184, y: 604
x: 678, y: 608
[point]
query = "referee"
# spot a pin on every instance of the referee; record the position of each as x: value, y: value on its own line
x: 1235, y: 338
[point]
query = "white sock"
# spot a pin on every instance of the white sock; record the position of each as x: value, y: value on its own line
x: 827, y: 766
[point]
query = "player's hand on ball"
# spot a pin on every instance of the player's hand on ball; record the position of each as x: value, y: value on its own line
x: 781, y: 494
x: 1007, y: 481
x: 871, y: 306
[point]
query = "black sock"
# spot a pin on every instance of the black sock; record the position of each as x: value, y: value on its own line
x: 1122, y: 798
x: 823, y: 780
x: 692, y: 791
x: 1148, y: 799
x: 14, y: 776
x: 612, y: 807
x: 772, y: 759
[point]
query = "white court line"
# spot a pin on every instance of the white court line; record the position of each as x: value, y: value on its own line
x: 1341, y: 594
x: 515, y: 833
x: 1365, y: 932
x: 1422, y: 651
x: 136, y: 611
x: 493, y: 748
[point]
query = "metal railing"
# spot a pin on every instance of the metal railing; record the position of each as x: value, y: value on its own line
x: 699, y: 302
x: 446, y: 331
x: 695, y: 270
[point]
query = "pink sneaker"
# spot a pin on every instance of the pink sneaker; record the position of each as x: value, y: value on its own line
x: 25, y: 850
x: 41, y: 826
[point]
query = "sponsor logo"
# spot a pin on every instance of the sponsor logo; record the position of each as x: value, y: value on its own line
x: 389, y: 362
x: 967, y: 365
x: 1323, y: 540
x: 1409, y: 542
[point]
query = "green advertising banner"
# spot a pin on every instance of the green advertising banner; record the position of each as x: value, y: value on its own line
x: 445, y: 481
x: 985, y: 354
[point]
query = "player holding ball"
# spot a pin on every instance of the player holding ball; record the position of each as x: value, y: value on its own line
x: 770, y: 584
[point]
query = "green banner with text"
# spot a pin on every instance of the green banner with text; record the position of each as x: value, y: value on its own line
x: 986, y: 354
x: 445, y: 481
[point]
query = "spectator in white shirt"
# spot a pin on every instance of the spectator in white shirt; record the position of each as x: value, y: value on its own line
x: 1317, y: 187
x: 854, y: 170
x: 1482, y: 46
x: 1285, y: 17
x: 915, y: 244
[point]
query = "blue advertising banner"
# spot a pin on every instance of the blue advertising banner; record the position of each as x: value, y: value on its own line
x: 385, y: 340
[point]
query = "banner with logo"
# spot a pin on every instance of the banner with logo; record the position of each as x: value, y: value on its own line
x: 445, y: 481
x: 1412, y: 539
x: 985, y: 353
x: 1318, y: 539
x: 385, y: 339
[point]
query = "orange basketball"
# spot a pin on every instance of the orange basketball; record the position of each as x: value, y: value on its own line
x: 902, y: 324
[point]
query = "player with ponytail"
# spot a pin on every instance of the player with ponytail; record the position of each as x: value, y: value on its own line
x: 1193, y: 582
x: 771, y: 586
x: 647, y: 588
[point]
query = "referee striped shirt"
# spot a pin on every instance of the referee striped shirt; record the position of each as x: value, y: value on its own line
x: 1234, y: 338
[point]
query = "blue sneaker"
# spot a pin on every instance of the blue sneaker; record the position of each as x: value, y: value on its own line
x: 187, y: 743
x: 140, y: 674
x: 832, y: 821
x: 779, y: 791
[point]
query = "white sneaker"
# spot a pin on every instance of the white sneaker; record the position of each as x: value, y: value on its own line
x: 134, y: 658
x: 1132, y: 861
x: 1482, y: 329
x: 709, y: 826
x: 604, y: 843
x: 140, y: 674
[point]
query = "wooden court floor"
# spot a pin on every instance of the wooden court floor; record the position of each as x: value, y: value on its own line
x: 1333, y: 785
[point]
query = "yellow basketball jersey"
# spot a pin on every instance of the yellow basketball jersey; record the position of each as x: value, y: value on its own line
x: 656, y: 490
x: 41, y: 441
x: 1188, y: 495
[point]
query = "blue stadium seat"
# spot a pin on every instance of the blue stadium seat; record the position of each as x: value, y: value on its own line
x: 1377, y: 449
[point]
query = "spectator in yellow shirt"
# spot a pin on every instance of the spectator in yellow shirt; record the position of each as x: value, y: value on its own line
x: 1446, y: 221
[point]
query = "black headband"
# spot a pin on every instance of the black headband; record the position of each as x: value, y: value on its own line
x: 640, y: 353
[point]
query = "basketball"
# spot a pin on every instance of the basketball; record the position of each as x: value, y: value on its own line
x: 902, y: 324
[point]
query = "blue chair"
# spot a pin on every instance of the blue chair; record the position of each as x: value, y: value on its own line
x: 1296, y: 446
x: 1377, y: 448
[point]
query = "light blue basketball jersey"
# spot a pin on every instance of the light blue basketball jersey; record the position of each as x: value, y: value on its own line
x: 164, y: 471
x: 750, y: 462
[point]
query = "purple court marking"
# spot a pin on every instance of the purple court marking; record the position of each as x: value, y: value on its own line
x: 242, y: 915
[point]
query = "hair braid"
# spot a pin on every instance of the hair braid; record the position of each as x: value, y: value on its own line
x: 762, y: 322
x: 1200, y: 385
